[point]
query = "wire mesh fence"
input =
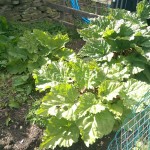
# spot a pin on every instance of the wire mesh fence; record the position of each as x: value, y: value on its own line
x: 135, y: 132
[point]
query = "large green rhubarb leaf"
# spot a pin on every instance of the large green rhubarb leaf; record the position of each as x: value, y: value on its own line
x: 49, y: 41
x: 117, y: 71
x: 63, y: 53
x: 28, y: 42
x: 109, y: 90
x: 95, y: 48
x: 116, y: 14
x: 59, y: 132
x: 18, y: 53
x: 62, y: 102
x: 88, y: 104
x: 95, y: 126
x: 143, y: 8
x: 51, y: 75
x: 116, y: 109
x: 86, y: 74
x: 17, y: 66
x: 133, y: 91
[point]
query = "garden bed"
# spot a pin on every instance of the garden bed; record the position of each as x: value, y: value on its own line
x: 21, y: 135
x: 16, y: 133
x: 86, y: 96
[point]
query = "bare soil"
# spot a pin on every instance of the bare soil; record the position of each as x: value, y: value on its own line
x: 76, y: 44
x: 20, y: 135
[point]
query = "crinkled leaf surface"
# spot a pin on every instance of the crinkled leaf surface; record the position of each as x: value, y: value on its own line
x: 86, y: 74
x: 116, y: 14
x: 133, y: 91
x: 117, y: 71
x: 17, y: 66
x: 124, y: 36
x: 28, y: 42
x: 95, y: 48
x: 20, y: 79
x: 63, y: 53
x: 59, y: 132
x: 143, y: 8
x: 117, y: 109
x: 49, y: 41
x: 61, y: 102
x: 77, y: 72
x: 18, y: 53
x: 95, y: 126
x: 109, y: 90
x: 32, y: 65
x: 51, y: 75
x: 88, y: 104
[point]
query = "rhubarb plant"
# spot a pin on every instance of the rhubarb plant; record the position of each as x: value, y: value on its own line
x: 143, y: 8
x: 90, y: 95
x: 119, y: 39
x: 30, y: 50
x: 89, y: 107
x: 22, y: 53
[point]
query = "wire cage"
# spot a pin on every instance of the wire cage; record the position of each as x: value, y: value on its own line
x: 135, y: 132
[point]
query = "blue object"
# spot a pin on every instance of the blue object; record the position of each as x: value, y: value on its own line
x: 75, y: 5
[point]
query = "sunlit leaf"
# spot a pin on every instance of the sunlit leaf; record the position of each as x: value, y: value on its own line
x: 59, y: 132
x: 96, y: 126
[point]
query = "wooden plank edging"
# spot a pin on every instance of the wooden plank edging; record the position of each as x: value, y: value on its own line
x: 72, y: 11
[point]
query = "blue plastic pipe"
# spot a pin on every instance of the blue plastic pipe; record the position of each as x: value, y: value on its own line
x: 75, y: 5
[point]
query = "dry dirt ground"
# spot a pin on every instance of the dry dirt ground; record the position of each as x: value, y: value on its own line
x: 76, y: 44
x: 19, y: 134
